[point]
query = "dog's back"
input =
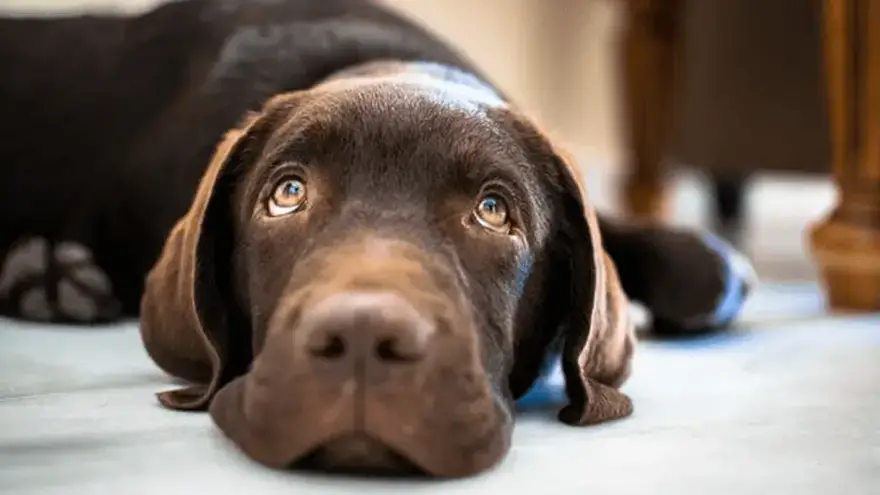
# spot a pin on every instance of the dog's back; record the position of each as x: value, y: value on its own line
x: 108, y: 121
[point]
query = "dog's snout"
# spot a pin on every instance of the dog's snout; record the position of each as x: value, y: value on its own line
x: 379, y: 327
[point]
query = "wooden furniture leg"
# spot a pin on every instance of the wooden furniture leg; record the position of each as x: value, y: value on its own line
x: 846, y: 244
x: 648, y: 58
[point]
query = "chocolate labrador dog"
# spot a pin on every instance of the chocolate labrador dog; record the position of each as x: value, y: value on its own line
x: 378, y: 259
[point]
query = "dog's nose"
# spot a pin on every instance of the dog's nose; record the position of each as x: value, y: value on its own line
x: 377, y: 327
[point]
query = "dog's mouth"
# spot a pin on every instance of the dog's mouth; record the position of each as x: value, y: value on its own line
x: 361, y: 412
x: 358, y: 454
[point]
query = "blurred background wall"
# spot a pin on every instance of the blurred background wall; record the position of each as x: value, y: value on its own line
x: 555, y: 57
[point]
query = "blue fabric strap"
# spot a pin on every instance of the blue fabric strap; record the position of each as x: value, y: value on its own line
x: 738, y: 275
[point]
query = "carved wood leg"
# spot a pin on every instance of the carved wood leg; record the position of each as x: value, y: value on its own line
x: 648, y: 58
x: 846, y: 244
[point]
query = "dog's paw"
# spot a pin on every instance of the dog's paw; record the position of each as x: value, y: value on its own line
x: 44, y: 281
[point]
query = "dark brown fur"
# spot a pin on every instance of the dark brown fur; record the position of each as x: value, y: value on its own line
x: 394, y: 171
x: 120, y: 159
x: 122, y: 100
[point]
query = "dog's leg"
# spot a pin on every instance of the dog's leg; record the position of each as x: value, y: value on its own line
x: 689, y: 280
x: 43, y: 280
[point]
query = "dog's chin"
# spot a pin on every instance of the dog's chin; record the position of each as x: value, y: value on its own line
x: 358, y: 454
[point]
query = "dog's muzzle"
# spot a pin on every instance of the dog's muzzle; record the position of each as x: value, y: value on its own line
x: 370, y: 363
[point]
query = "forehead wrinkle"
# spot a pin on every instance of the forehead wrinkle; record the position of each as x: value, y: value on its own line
x: 320, y: 111
x: 392, y: 110
x: 445, y: 86
x: 439, y: 86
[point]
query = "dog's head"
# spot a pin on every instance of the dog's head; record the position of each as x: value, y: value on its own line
x: 374, y: 269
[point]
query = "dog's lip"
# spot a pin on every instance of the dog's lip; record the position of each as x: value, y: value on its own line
x: 285, y: 442
x: 357, y: 452
x: 348, y: 443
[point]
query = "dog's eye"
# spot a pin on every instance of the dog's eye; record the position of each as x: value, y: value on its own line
x: 492, y: 213
x: 289, y: 196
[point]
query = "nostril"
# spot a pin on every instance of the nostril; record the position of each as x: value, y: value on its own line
x: 380, y: 327
x: 330, y: 347
x: 390, y: 350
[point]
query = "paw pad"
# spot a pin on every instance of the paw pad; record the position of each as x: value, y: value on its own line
x: 45, y: 281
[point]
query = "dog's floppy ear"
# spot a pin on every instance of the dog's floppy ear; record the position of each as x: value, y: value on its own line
x: 598, y: 335
x: 689, y: 280
x: 584, y: 314
x: 190, y: 324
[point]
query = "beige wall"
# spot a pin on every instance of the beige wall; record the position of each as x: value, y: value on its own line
x: 555, y: 57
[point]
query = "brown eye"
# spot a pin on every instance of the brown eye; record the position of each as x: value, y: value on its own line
x: 289, y: 196
x: 491, y: 212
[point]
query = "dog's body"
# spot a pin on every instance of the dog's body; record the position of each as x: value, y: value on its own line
x: 109, y: 122
x: 355, y: 247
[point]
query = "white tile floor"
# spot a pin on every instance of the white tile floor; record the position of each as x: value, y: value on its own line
x: 787, y: 403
